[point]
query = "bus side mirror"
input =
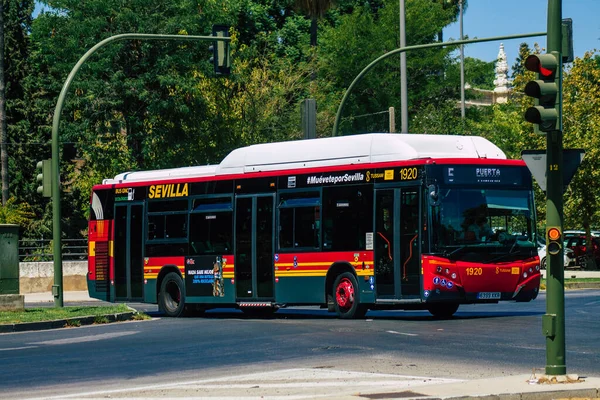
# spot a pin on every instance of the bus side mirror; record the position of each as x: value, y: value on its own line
x: 434, y: 197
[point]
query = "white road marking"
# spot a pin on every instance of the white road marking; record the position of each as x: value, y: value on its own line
x: 402, y: 333
x: 283, y: 379
x: 19, y: 348
x: 83, y: 339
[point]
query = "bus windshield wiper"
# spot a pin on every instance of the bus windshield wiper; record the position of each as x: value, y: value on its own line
x: 513, y: 250
x: 459, y: 248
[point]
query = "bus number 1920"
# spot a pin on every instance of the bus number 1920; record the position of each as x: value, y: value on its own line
x: 474, y: 271
x: 408, y: 174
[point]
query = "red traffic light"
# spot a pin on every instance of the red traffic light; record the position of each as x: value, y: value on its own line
x: 543, y: 64
x: 554, y: 238
x: 553, y: 234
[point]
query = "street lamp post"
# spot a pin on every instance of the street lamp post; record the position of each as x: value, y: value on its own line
x: 416, y: 47
x: 57, y: 288
x: 462, y: 64
x: 403, y: 80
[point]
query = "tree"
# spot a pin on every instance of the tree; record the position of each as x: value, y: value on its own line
x: 15, y: 22
x: 3, y: 134
x: 354, y: 40
x: 581, y: 124
x: 145, y: 105
x: 314, y: 9
x: 478, y: 73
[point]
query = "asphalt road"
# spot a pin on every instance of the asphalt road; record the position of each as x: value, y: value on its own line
x: 480, y: 341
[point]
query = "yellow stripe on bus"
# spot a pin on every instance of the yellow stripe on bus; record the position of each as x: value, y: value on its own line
x: 315, y: 273
x: 92, y: 249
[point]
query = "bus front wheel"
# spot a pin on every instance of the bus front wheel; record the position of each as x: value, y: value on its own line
x: 443, y: 310
x: 172, y: 296
x: 346, y: 297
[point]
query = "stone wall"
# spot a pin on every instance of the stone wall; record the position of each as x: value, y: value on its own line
x: 36, y: 277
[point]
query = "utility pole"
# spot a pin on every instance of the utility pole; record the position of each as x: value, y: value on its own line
x: 553, y: 323
x: 403, y: 81
x: 462, y: 65
x: 546, y: 115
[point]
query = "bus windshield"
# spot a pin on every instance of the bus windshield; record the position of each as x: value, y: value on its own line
x: 489, y: 224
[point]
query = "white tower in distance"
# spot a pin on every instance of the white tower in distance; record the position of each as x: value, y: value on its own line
x: 501, y: 81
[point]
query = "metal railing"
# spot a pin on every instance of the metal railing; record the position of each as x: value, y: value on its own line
x: 34, y: 250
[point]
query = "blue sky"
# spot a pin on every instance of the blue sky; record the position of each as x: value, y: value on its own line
x: 488, y: 18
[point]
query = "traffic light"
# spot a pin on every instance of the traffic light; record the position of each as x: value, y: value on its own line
x: 545, y: 112
x: 553, y: 240
x: 44, y: 178
x: 220, y: 49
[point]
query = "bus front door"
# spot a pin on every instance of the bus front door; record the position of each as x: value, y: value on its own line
x: 128, y: 246
x: 254, y: 224
x: 397, y: 243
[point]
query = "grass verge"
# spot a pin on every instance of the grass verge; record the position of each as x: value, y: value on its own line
x: 50, y: 314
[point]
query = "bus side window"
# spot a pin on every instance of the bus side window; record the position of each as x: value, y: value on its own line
x: 347, y: 217
x: 210, y: 233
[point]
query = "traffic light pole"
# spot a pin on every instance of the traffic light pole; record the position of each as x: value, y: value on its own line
x: 553, y: 322
x: 57, y: 288
x: 418, y: 47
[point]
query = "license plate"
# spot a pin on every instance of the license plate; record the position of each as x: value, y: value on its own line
x: 488, y: 295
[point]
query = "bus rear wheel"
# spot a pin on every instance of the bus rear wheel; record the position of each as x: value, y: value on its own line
x: 443, y: 310
x: 171, y: 299
x: 346, y: 297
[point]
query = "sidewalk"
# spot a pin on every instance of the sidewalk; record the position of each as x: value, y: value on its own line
x: 342, y: 384
x: 521, y: 387
x: 574, y: 273
x: 82, y: 295
x: 44, y: 297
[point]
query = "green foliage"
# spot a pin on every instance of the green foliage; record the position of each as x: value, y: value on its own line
x: 156, y: 104
x: 581, y: 126
x: 353, y: 40
x: 16, y: 213
x: 479, y: 74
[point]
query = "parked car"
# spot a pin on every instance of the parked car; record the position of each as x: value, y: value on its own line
x: 579, y: 245
x: 569, y: 256
x: 573, y: 232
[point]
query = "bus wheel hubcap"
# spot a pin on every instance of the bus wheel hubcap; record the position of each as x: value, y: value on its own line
x: 345, y: 294
x: 174, y: 294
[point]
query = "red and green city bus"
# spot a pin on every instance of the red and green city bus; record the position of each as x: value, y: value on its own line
x: 351, y: 224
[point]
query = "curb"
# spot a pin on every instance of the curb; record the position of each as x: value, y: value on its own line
x: 63, y: 323
x: 566, y: 394
x: 582, y: 285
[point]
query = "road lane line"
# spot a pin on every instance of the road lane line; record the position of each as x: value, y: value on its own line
x: 402, y: 333
x: 19, y: 348
x: 83, y: 339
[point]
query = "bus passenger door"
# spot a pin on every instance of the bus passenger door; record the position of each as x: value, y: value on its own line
x: 254, y: 247
x: 128, y: 251
x: 397, y: 255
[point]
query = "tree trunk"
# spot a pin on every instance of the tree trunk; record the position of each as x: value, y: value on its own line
x: 3, y: 133
x: 313, y: 31
x: 313, y: 43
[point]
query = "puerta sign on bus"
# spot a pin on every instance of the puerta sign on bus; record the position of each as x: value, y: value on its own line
x: 536, y: 162
x: 482, y: 174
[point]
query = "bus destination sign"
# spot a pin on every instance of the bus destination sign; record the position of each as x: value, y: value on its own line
x: 459, y: 174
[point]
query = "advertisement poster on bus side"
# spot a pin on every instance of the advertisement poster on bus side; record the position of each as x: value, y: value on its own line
x: 204, y: 276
